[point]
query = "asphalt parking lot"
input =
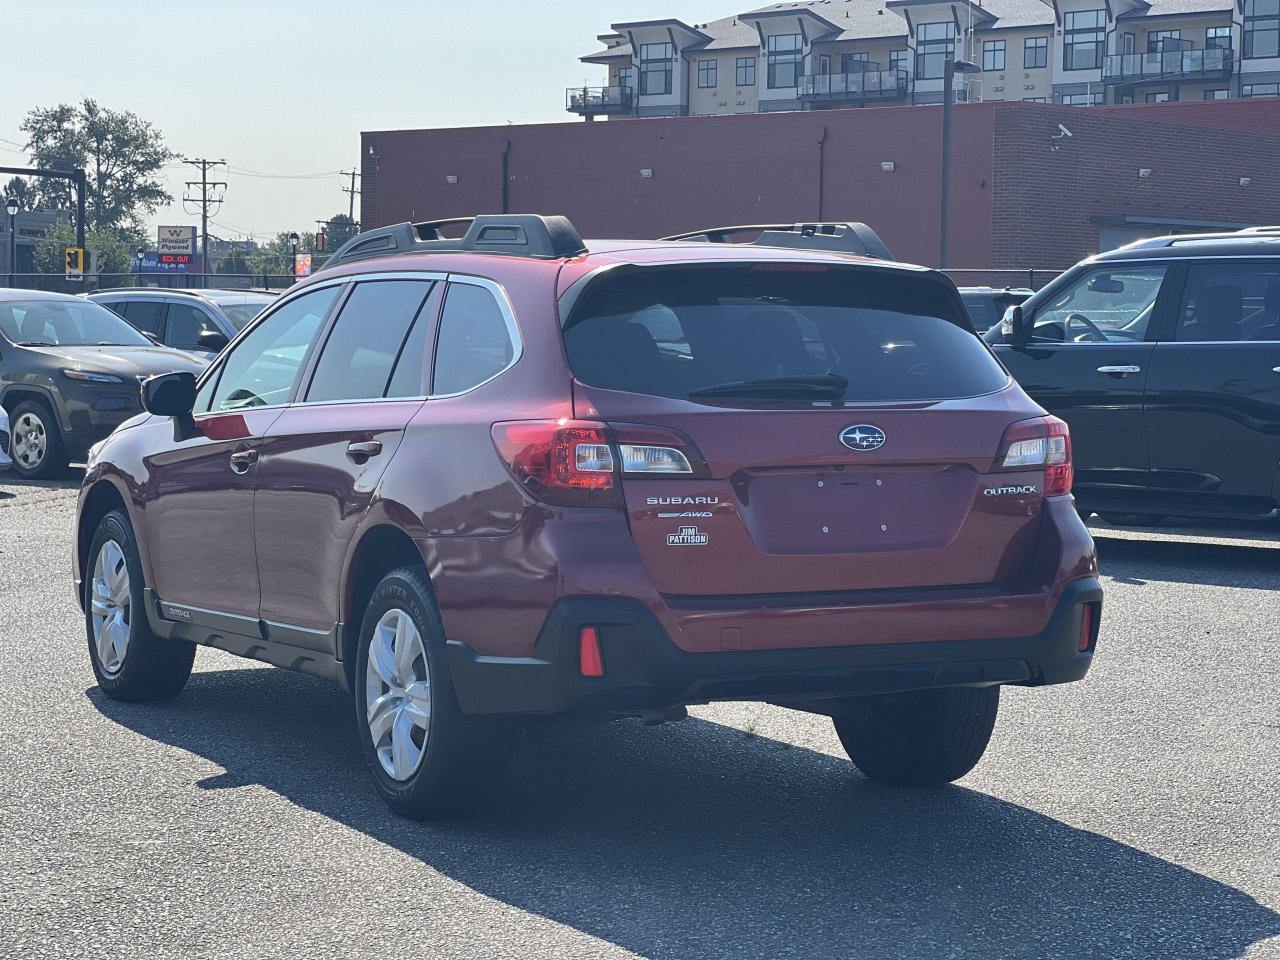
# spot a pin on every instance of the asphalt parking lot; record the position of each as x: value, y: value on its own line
x: 1134, y: 815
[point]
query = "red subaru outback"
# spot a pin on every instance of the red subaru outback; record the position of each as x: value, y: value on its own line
x: 514, y: 475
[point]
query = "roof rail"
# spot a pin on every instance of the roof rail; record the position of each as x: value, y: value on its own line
x: 511, y: 234
x: 1271, y: 229
x: 841, y: 237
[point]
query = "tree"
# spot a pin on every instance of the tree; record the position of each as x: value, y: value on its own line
x: 275, y: 256
x: 17, y: 187
x: 338, y: 231
x: 114, y: 251
x: 119, y: 151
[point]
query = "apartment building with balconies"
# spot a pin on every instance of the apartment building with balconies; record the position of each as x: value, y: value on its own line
x: 820, y: 54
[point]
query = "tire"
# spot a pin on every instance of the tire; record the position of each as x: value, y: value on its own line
x: 428, y: 760
x: 44, y: 455
x: 920, y: 738
x: 145, y: 666
x: 1133, y: 519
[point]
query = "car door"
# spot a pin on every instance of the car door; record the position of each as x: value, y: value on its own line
x: 184, y: 324
x: 1087, y: 362
x: 1213, y: 395
x: 145, y: 313
x: 322, y: 459
x: 199, y: 517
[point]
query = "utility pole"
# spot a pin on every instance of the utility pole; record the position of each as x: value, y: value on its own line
x: 205, y: 202
x: 351, y: 192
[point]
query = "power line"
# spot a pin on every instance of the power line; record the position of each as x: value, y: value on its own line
x: 205, y: 202
x: 243, y: 172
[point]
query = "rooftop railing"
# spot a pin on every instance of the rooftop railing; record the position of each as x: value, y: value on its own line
x: 856, y: 85
x: 593, y: 101
x: 1167, y: 65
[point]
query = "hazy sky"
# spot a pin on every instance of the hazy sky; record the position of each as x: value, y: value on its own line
x: 284, y: 88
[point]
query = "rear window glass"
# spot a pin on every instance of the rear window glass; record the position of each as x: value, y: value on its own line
x: 673, y: 331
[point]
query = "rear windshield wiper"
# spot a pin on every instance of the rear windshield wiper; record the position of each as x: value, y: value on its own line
x: 826, y: 386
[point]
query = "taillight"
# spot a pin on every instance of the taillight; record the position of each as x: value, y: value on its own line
x: 577, y: 462
x: 1044, y: 442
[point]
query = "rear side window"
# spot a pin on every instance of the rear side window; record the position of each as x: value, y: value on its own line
x: 474, y: 343
x: 673, y: 332
x: 146, y: 315
x: 1228, y: 301
x: 367, y: 337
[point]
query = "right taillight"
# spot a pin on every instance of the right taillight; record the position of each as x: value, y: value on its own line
x: 1043, y: 442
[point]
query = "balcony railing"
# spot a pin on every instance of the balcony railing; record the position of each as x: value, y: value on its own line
x: 1169, y: 65
x: 595, y: 101
x: 859, y: 85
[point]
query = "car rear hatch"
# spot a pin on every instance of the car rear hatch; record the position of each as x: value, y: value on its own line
x: 800, y: 431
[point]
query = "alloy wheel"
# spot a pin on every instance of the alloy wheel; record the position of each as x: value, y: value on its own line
x: 398, y: 694
x: 110, y: 605
x: 29, y: 440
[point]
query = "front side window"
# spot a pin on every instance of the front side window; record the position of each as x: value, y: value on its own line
x: 1084, y: 40
x: 58, y: 323
x: 357, y: 358
x: 1035, y: 52
x: 1217, y: 38
x: 1261, y: 30
x: 721, y: 333
x: 993, y: 55
x: 707, y: 71
x: 474, y: 343
x: 1227, y: 302
x: 746, y: 72
x: 263, y: 369
x: 1100, y: 306
x: 185, y: 324
x: 783, y: 63
x: 935, y: 45
x: 655, y: 68
x: 1158, y: 41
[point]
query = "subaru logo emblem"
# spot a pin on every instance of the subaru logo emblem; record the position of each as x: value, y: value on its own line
x: 862, y: 436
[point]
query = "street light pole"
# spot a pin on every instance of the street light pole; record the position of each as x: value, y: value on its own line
x: 949, y: 72
x: 12, y: 206
x: 293, y: 260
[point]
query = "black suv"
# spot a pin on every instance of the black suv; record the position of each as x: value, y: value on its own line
x: 1164, y: 357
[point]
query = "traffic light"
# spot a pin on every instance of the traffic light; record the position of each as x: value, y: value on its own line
x: 319, y: 241
x: 75, y: 261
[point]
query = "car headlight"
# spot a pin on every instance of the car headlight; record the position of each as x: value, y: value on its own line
x: 89, y: 376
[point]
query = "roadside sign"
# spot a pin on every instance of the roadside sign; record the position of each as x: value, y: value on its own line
x: 302, y: 264
x: 75, y: 263
x: 176, y: 240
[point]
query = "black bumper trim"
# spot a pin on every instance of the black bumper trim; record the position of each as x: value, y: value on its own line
x: 646, y: 671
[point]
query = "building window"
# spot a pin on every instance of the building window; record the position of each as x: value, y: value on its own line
x: 707, y: 73
x: 1085, y: 38
x: 746, y: 72
x: 1129, y: 43
x: 1160, y: 40
x: 1216, y: 94
x: 1217, y: 38
x: 655, y: 68
x: 624, y: 77
x: 935, y: 45
x: 1035, y: 52
x: 1260, y: 90
x: 1082, y: 99
x: 993, y: 55
x: 1261, y: 29
x: 1158, y: 97
x: 784, y: 53
x: 899, y: 60
x: 854, y: 62
x: 1035, y: 100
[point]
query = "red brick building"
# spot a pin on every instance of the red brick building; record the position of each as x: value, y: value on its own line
x: 1023, y: 194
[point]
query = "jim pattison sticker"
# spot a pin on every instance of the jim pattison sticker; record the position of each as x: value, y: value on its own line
x: 688, y: 537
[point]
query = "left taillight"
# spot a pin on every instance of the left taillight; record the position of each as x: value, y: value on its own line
x: 578, y: 462
x: 1039, y: 443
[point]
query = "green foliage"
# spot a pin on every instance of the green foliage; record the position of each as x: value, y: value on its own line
x: 339, y: 230
x: 120, y: 152
x: 275, y: 256
x: 114, y: 249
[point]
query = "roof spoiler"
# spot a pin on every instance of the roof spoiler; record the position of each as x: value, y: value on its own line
x: 509, y: 234
x: 857, y: 238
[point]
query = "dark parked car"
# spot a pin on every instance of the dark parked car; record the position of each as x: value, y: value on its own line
x: 202, y: 321
x: 1164, y: 356
x: 69, y: 373
x: 516, y: 475
x: 987, y: 305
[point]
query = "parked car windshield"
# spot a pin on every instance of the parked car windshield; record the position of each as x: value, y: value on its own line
x: 778, y: 333
x: 241, y: 308
x: 66, y: 323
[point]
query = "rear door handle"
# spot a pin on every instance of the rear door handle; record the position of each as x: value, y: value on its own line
x: 1121, y: 370
x: 364, y: 449
x: 242, y: 460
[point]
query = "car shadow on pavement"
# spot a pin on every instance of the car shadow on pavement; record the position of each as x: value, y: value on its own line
x: 1216, y: 564
x: 700, y: 840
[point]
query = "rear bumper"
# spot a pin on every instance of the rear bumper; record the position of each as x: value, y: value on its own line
x: 644, y: 670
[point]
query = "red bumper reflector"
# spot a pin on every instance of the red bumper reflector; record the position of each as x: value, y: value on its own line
x: 590, y: 660
x: 1086, y: 627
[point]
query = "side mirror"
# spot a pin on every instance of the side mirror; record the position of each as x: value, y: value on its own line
x: 1014, y: 327
x: 211, y: 340
x: 170, y: 394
